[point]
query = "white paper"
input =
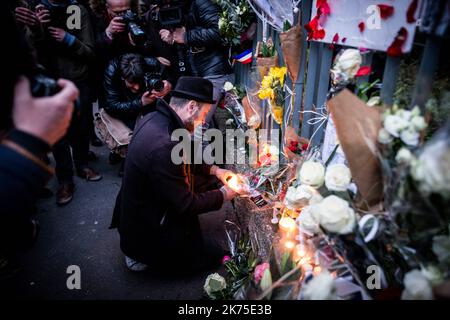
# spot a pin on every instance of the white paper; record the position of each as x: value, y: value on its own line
x: 379, y: 34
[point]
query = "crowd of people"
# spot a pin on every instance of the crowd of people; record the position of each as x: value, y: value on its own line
x: 153, y: 67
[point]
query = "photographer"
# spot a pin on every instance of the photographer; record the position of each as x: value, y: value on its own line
x: 200, y: 33
x: 28, y: 127
x: 119, y: 29
x: 67, y: 53
x: 132, y: 85
x: 127, y: 93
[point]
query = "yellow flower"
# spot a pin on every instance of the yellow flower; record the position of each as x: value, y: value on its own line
x: 266, y: 94
x: 277, y: 113
x: 278, y: 73
x: 267, y: 82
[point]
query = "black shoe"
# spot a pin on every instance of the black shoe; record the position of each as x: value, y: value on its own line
x: 96, y: 142
x: 114, y: 158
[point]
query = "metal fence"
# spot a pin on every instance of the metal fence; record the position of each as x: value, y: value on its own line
x: 313, y: 81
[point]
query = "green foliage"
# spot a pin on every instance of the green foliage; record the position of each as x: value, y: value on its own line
x: 239, y: 268
x: 286, y: 25
x: 267, y: 50
x: 364, y: 90
x: 235, y: 17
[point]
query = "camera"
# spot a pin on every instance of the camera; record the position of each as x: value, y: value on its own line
x: 171, y: 17
x: 153, y: 81
x: 132, y: 20
x: 43, y: 86
x: 170, y: 14
x: 58, y: 15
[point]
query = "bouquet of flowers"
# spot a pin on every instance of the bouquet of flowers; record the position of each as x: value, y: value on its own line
x: 266, y: 56
x: 272, y: 89
x: 235, y: 18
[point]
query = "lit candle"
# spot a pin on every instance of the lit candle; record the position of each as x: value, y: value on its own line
x: 300, y: 250
x: 289, y: 244
x: 287, y: 225
x: 317, y: 270
x: 233, y: 182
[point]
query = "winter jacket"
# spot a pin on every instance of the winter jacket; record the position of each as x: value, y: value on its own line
x: 208, y: 55
x: 157, y: 208
x: 118, y: 101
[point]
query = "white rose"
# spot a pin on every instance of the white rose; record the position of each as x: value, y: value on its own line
x: 299, y: 197
x: 321, y: 287
x: 312, y: 174
x: 432, y: 168
x: 214, y: 283
x: 222, y: 23
x: 307, y: 223
x: 337, y: 177
x: 418, y: 123
x: 410, y: 137
x: 415, y: 111
x: 384, y: 136
x: 417, y: 287
x: 404, y: 156
x: 404, y: 114
x: 316, y: 198
x: 395, y: 124
x: 374, y: 101
x: 441, y: 248
x: 334, y: 215
x: 348, y: 62
x: 433, y: 274
x: 228, y: 86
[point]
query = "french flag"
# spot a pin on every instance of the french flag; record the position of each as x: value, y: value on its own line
x: 244, y: 57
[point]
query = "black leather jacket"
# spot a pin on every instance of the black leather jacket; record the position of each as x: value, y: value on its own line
x: 117, y: 100
x: 208, y: 54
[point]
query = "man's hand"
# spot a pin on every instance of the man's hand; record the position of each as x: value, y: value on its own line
x: 148, y: 98
x: 46, y: 118
x: 115, y: 27
x: 166, y: 36
x: 228, y: 194
x: 42, y: 14
x: 57, y: 33
x: 26, y: 16
x: 178, y: 35
x: 164, y: 91
x: 221, y: 174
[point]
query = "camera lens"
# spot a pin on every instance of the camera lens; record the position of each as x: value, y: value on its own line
x: 156, y: 84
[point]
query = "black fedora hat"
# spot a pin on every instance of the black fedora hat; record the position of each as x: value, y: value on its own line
x: 194, y: 88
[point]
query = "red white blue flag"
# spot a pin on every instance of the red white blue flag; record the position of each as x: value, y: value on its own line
x: 244, y: 57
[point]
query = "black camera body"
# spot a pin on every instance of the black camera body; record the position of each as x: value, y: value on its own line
x: 153, y: 81
x: 133, y: 22
x: 58, y: 15
x: 43, y: 86
x: 171, y: 17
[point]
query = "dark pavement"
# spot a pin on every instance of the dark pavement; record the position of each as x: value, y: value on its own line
x: 78, y: 234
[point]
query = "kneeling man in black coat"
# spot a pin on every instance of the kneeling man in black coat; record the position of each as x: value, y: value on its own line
x: 158, y: 206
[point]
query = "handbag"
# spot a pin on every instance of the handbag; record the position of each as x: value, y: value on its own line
x: 113, y: 132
